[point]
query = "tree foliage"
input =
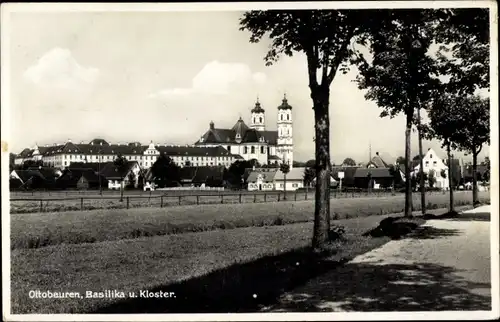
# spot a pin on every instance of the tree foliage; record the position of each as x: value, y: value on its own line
x: 349, y: 162
x: 325, y: 37
x: 120, y: 162
x: 165, y: 172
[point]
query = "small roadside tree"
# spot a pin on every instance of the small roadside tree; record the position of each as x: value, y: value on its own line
x: 165, y: 172
x: 349, y: 162
x: 285, y: 168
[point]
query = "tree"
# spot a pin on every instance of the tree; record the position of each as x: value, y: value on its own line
x: 400, y: 76
x: 401, y: 160
x: 131, y: 180
x: 443, y: 172
x: 473, y: 130
x: 120, y: 163
x: 32, y: 164
x: 310, y: 163
x: 285, y: 168
x: 349, y: 162
x: 431, y: 178
x: 325, y: 37
x: 486, y: 175
x: 235, y: 174
x: 309, y: 175
x: 165, y: 172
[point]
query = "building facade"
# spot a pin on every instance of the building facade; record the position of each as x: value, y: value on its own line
x: 255, y: 141
x: 100, y: 151
x: 434, y: 164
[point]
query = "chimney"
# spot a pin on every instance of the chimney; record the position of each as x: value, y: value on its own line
x: 81, y: 142
x: 55, y: 144
x: 69, y: 140
x: 212, y: 125
x: 46, y: 145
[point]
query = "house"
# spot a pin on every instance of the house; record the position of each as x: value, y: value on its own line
x: 119, y: 178
x: 294, y: 179
x: 377, y: 162
x: 31, y: 179
x: 373, y: 178
x: 434, y: 165
x: 209, y: 176
x: 148, y: 182
x: 349, y: 172
x: 81, y: 179
x: 261, y: 179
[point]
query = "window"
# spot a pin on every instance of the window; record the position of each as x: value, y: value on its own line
x: 281, y: 185
x: 282, y: 117
x: 229, y: 148
x: 260, y: 119
x: 262, y: 150
x: 430, y: 156
x: 426, y: 163
x: 295, y: 185
x: 245, y: 150
x: 288, y: 117
x: 252, y: 149
x: 434, y: 163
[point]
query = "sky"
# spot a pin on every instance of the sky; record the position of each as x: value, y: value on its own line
x: 163, y: 76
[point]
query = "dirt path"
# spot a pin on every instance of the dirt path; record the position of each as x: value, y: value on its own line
x: 444, y: 265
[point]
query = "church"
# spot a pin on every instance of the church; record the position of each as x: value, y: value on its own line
x: 255, y: 141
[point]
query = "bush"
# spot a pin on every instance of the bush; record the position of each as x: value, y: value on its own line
x: 336, y: 233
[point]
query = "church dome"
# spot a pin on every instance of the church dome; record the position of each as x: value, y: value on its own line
x: 284, y: 104
x: 258, y: 108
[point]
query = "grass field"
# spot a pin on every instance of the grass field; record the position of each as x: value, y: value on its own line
x: 216, y: 271
x: 44, y: 229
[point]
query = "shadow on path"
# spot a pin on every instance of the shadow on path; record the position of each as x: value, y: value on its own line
x: 369, y: 287
x: 232, y: 289
x: 469, y: 216
x: 430, y: 232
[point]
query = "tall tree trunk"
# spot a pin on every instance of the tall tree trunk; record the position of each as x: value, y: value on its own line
x: 450, y: 173
x: 284, y: 190
x: 474, y: 177
x: 322, y: 142
x: 422, y: 179
x: 408, y: 197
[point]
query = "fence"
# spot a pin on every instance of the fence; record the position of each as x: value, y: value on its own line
x: 48, y: 204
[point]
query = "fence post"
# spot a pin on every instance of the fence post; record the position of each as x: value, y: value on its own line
x: 254, y: 198
x: 221, y: 198
x: 128, y: 200
x: 81, y: 204
x: 180, y: 200
x: 279, y: 195
x: 265, y: 197
x: 295, y: 195
x: 240, y: 197
x: 161, y: 201
x: 307, y: 192
x: 41, y: 205
x: 197, y: 199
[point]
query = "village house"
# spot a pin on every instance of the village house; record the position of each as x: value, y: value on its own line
x: 294, y: 179
x: 120, y: 178
x: 80, y: 179
x: 435, y: 166
x: 261, y: 179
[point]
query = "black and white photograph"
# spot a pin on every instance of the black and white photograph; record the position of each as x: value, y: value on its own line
x: 250, y: 161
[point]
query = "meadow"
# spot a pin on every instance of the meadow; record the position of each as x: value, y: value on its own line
x: 73, y: 227
x: 213, y: 257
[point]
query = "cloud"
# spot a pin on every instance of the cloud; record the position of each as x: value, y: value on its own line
x: 59, y: 69
x: 217, y: 78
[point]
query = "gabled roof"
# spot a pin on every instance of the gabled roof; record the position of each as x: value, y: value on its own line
x: 98, y: 142
x: 47, y: 172
x: 204, y: 173
x: 294, y: 174
x: 268, y: 174
x: 378, y: 162
x: 74, y: 175
x: 111, y: 172
x: 25, y: 175
x: 194, y: 151
x: 95, y: 166
x: 375, y: 173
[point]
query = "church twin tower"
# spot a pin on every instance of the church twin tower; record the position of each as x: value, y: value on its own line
x: 284, y: 135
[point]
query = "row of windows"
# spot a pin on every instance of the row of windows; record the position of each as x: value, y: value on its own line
x: 252, y: 150
x: 287, y: 117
